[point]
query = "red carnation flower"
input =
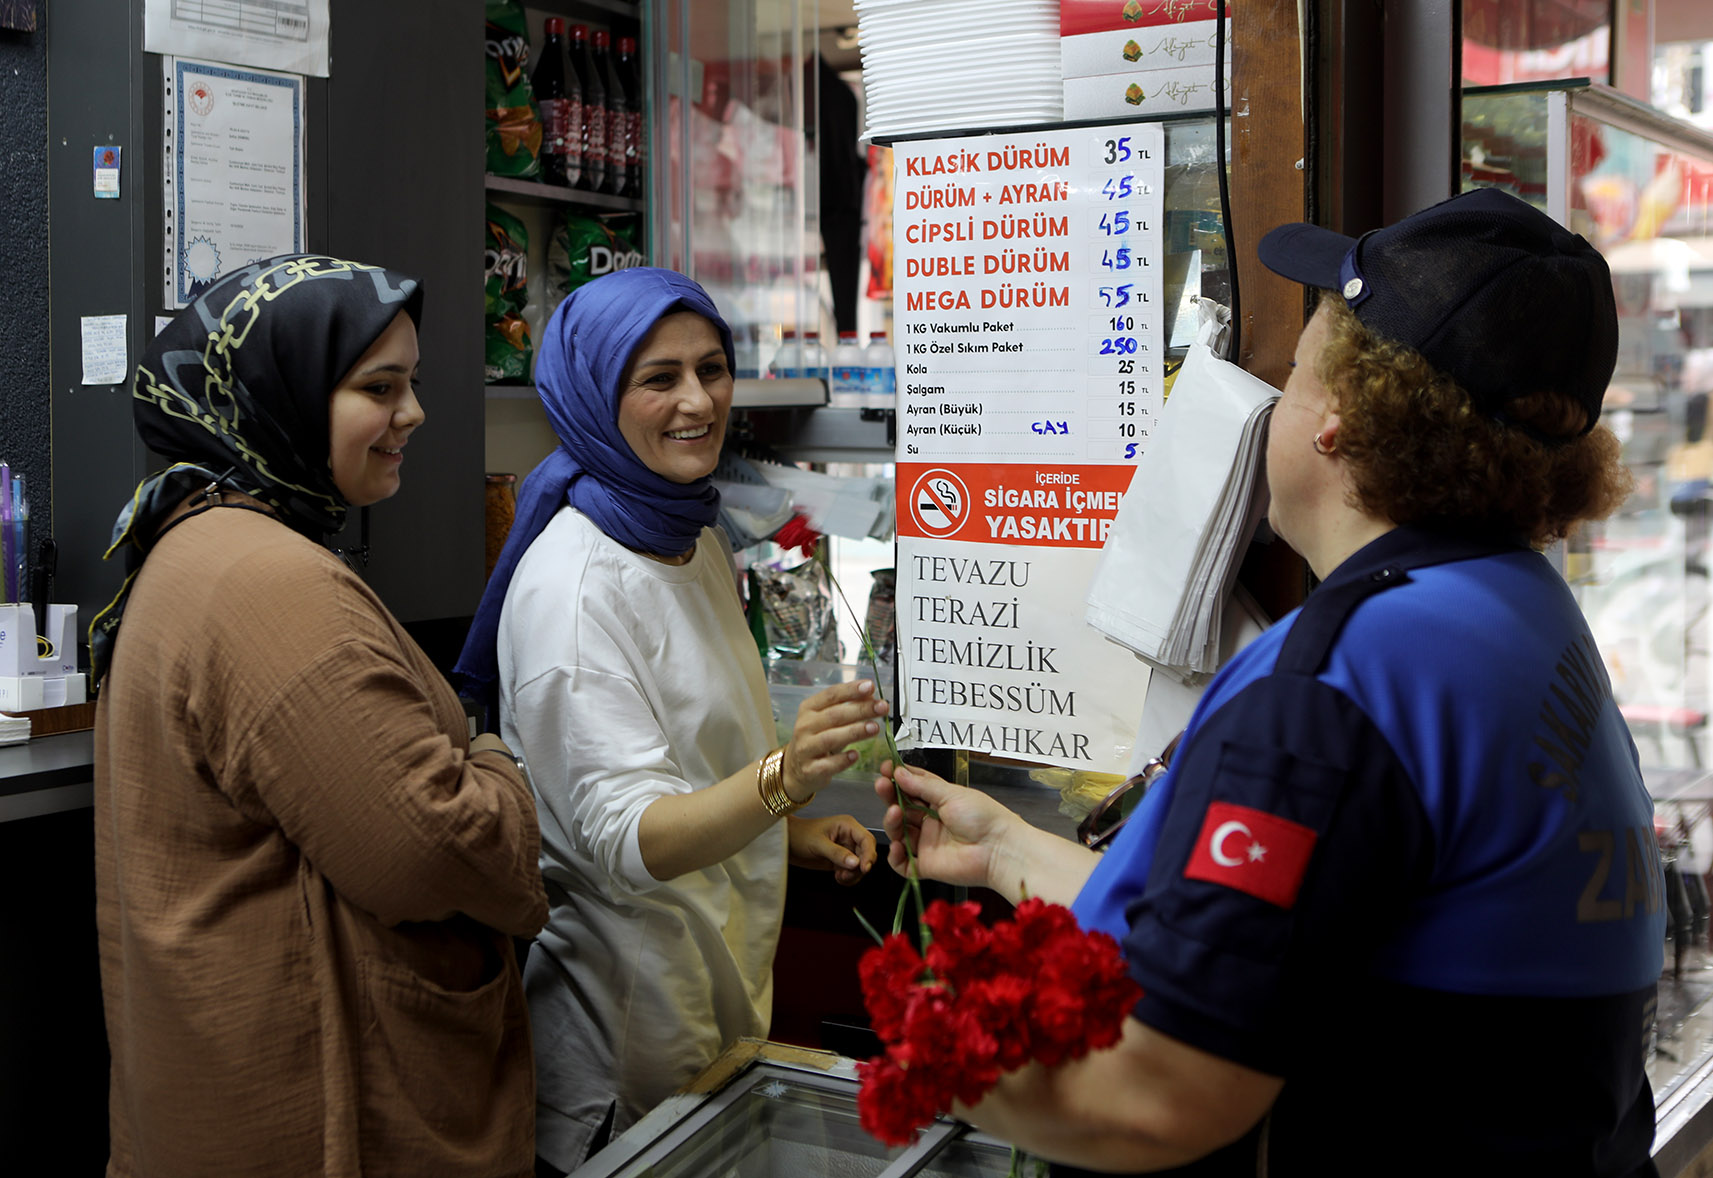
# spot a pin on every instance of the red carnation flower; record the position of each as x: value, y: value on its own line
x: 887, y: 973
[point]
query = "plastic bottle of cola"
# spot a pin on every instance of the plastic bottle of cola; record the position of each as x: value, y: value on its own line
x: 616, y: 116
x: 548, y: 82
x: 594, y: 177
x: 636, y: 154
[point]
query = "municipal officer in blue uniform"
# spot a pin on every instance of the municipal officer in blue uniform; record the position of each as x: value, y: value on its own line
x: 1396, y: 907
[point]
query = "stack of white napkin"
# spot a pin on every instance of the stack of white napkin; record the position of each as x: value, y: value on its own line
x: 1166, y: 571
x: 14, y: 729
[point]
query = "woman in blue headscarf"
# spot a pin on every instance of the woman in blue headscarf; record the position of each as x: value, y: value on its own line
x: 626, y: 675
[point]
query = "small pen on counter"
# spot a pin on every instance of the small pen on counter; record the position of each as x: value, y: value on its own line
x: 21, y: 539
x: 8, y: 540
x: 42, y: 581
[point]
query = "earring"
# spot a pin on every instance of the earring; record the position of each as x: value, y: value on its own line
x: 1321, y: 443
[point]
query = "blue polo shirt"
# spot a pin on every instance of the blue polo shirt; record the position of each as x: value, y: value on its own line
x: 1405, y: 860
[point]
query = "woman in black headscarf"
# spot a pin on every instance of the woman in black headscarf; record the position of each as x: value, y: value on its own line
x: 308, y: 875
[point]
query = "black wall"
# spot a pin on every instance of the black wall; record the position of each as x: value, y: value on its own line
x: 394, y: 157
x: 24, y: 417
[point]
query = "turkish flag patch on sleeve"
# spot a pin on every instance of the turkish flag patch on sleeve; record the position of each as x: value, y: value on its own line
x: 1252, y: 851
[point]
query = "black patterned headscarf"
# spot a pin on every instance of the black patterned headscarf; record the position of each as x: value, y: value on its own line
x: 234, y: 393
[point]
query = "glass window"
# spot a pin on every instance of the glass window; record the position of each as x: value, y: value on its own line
x: 1508, y: 41
x: 1640, y: 188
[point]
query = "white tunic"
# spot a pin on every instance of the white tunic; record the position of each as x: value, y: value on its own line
x: 623, y: 680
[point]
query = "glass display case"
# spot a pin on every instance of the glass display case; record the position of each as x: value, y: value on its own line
x: 766, y: 1110
x: 1639, y: 186
x: 735, y: 198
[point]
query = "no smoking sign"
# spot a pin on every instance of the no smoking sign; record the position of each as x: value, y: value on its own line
x: 939, y: 502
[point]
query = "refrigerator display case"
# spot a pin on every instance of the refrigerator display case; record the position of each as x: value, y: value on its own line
x: 768, y: 1110
x: 1639, y: 186
x: 735, y: 196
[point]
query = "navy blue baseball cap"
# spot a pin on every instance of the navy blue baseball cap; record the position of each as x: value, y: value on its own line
x: 1490, y: 290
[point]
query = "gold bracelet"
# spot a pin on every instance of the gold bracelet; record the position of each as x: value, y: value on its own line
x: 770, y: 784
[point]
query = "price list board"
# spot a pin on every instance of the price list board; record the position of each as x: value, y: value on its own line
x: 1030, y: 343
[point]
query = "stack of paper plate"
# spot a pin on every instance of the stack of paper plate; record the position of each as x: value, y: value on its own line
x: 943, y: 65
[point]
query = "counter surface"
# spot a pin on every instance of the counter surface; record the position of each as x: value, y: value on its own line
x: 46, y: 761
x: 68, y: 759
x: 50, y: 762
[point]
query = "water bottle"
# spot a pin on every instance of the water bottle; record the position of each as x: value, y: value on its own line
x: 788, y: 360
x: 748, y: 350
x: 881, y: 391
x: 846, y: 389
x: 815, y: 358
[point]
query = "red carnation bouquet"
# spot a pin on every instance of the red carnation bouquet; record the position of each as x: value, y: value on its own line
x: 979, y: 1002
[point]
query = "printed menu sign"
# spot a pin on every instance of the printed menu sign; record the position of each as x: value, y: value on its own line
x: 1030, y: 349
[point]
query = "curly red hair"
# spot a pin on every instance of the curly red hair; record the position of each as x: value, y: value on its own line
x: 1417, y: 449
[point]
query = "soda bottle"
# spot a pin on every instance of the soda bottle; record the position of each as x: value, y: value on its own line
x: 574, y: 128
x: 630, y: 73
x: 608, y: 72
x: 548, y: 82
x: 594, y: 176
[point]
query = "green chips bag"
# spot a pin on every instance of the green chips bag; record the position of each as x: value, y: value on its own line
x: 514, y: 126
x: 584, y: 248
x: 506, y: 262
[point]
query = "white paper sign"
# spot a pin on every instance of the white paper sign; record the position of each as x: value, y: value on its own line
x: 1031, y: 346
x: 105, y: 359
x: 288, y: 35
x: 235, y: 184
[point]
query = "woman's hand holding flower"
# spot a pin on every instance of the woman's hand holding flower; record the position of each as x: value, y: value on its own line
x: 828, y: 723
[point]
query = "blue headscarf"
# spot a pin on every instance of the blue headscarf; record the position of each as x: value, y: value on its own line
x: 586, y: 346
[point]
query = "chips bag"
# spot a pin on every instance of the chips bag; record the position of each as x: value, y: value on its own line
x: 505, y: 261
x: 797, y: 608
x: 514, y: 125
x: 584, y: 248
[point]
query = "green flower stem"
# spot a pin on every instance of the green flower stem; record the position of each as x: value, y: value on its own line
x: 867, y: 927
x: 912, y: 877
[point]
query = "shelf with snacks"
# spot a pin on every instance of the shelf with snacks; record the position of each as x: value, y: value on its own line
x: 544, y: 238
x: 535, y: 193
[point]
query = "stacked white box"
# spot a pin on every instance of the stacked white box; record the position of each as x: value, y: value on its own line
x: 39, y: 670
x: 1139, y: 57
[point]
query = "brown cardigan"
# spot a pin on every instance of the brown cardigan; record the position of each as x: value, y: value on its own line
x: 306, y: 884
